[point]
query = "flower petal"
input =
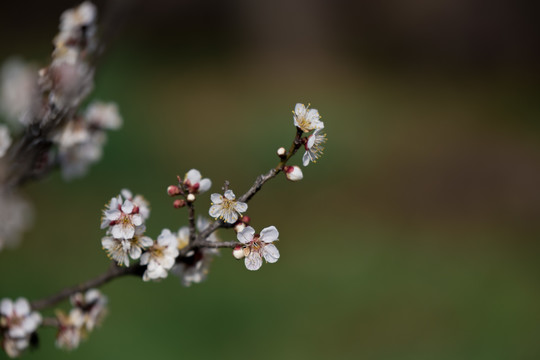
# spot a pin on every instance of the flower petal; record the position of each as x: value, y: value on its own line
x: 216, y: 211
x: 305, y: 159
x: 269, y: 234
x: 216, y: 198
x: 300, y: 109
x: 240, y: 206
x: 194, y: 176
x: 246, y: 235
x: 137, y: 220
x: 127, y: 207
x: 6, y: 307
x: 230, y: 216
x: 135, y: 252
x: 271, y: 253
x: 229, y: 195
x: 22, y: 306
x: 205, y: 185
x: 253, y: 261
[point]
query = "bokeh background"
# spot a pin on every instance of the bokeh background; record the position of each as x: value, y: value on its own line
x: 414, y: 237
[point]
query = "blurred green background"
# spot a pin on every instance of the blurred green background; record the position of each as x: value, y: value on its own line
x: 414, y: 237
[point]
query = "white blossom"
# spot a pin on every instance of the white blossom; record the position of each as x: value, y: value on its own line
x: 5, y: 140
x: 87, y: 148
x: 103, y: 115
x: 17, y: 323
x: 70, y: 329
x: 161, y: 256
x: 16, y: 215
x: 194, y: 182
x: 120, y: 250
x: 307, y: 119
x: 257, y: 246
x: 314, y: 147
x: 194, y: 267
x: 83, y: 15
x: 122, y: 217
x: 226, y: 207
x: 71, y: 79
x: 93, y: 305
x: 18, y: 91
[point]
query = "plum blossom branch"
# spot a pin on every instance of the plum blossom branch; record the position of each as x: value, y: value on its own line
x: 258, y: 184
x: 113, y: 272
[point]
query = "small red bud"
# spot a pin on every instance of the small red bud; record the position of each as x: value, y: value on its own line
x: 246, y: 219
x: 179, y: 203
x: 173, y: 190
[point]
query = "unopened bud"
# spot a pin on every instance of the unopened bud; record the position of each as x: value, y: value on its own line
x: 179, y: 203
x: 173, y: 190
x: 281, y: 152
x: 293, y: 173
x: 190, y: 198
x: 238, y: 252
x: 239, y: 227
x: 245, y: 219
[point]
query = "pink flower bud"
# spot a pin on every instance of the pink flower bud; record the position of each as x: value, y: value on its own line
x: 173, y: 190
x: 179, y: 203
x: 238, y: 252
x: 245, y: 219
x: 293, y: 173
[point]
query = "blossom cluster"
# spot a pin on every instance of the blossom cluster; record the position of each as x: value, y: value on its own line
x: 306, y: 120
x: 44, y: 126
x: 193, y: 268
x: 18, y: 324
x: 124, y: 219
x: 255, y: 247
x: 88, y: 311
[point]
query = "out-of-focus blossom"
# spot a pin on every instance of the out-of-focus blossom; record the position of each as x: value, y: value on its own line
x: 226, y: 207
x: 5, y: 140
x: 194, y: 182
x: 161, y: 256
x: 69, y: 329
x: 103, y: 115
x: 314, y: 147
x: 16, y: 216
x: 18, y: 91
x: 17, y: 324
x: 307, y: 119
x: 194, y: 267
x: 93, y: 305
x: 81, y: 16
x: 257, y: 246
x: 71, y: 80
x: 75, y: 160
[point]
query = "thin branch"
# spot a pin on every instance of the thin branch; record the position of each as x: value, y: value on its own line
x: 191, y: 219
x: 257, y: 185
x: 113, y: 272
